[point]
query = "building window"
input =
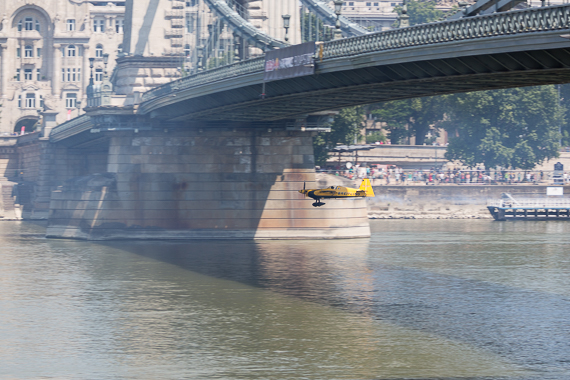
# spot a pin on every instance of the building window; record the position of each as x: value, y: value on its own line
x: 39, y: 52
x: 99, y: 51
x: 38, y: 74
x: 27, y: 74
x: 28, y: 51
x: 187, y: 50
x: 41, y: 101
x: 99, y: 25
x: 38, y: 25
x: 368, y: 4
x: 19, y: 101
x: 18, y: 75
x: 29, y: 23
x: 30, y: 100
x: 71, y: 51
x: 375, y: 4
x: 119, y: 25
x: 20, y: 26
x: 71, y: 100
x: 18, y: 52
x: 98, y: 75
x: 71, y: 75
x: 351, y: 3
x: 70, y: 25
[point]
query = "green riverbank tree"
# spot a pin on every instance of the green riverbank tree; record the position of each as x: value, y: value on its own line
x: 344, y: 130
x: 513, y: 128
x: 565, y: 104
x: 410, y: 117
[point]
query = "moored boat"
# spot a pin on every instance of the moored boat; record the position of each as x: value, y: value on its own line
x: 509, y: 208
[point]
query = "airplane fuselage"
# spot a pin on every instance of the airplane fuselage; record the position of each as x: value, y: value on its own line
x: 333, y: 192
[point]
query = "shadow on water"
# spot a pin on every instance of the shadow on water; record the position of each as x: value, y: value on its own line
x: 527, y: 327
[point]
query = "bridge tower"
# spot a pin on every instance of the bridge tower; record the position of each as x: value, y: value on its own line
x: 167, y: 39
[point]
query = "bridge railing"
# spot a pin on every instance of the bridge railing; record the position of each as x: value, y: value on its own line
x: 497, y: 24
x: 492, y: 25
x: 223, y: 72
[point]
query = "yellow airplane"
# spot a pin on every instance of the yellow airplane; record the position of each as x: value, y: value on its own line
x: 365, y: 190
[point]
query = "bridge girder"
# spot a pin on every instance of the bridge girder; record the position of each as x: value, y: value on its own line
x: 377, y: 77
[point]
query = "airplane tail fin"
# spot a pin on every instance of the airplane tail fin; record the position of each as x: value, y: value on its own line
x: 367, y: 187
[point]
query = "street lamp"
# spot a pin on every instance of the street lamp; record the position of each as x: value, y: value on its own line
x: 91, y: 62
x: 200, y: 57
x: 286, y: 24
x: 105, y: 61
x: 404, y: 18
x: 236, y: 47
x: 90, y: 87
x: 337, y: 10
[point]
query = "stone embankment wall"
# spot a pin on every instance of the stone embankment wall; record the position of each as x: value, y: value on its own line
x: 194, y: 184
x: 436, y: 202
x: 8, y: 157
x: 22, y: 177
x: 8, y: 169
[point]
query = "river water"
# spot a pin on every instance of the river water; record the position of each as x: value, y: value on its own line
x: 420, y: 299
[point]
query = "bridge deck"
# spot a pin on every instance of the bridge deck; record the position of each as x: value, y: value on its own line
x: 511, y: 49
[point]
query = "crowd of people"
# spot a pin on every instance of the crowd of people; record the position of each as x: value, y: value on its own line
x: 393, y: 175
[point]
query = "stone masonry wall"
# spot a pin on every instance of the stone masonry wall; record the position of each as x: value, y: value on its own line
x: 8, y: 161
x: 445, y: 201
x: 194, y: 184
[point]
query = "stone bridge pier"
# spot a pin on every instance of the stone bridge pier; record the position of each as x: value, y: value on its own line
x: 201, y: 183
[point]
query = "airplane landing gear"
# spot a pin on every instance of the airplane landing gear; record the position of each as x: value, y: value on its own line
x: 318, y: 204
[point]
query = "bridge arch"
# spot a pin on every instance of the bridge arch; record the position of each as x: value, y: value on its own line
x: 29, y: 123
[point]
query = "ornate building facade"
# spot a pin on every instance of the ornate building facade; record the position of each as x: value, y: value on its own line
x: 45, y: 46
x: 50, y: 48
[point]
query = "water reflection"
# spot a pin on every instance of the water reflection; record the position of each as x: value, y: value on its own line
x: 337, y: 332
x: 417, y: 300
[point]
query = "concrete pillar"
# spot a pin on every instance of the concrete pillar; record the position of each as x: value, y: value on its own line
x: 85, y: 72
x: 49, y: 121
x: 203, y: 184
x: 56, y: 81
x: 44, y: 182
x: 4, y: 71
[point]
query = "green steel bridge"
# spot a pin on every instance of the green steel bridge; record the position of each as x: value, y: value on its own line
x: 500, y: 50
x: 509, y: 49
